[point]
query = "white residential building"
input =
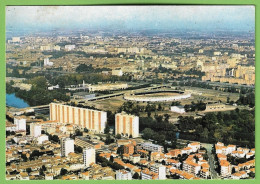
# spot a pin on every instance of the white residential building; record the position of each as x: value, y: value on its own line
x: 160, y: 170
x: 123, y: 175
x: 195, y: 146
x: 225, y: 168
x: 67, y: 146
x: 191, y: 167
x: 20, y: 123
x: 146, y: 174
x: 42, y: 138
x: 35, y: 129
x: 152, y: 147
x: 89, y: 156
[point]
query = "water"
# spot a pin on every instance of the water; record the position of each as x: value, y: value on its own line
x: 14, y: 101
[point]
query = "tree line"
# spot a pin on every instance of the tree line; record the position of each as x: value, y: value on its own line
x: 233, y: 127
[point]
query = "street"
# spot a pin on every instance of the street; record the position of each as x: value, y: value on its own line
x: 214, y: 174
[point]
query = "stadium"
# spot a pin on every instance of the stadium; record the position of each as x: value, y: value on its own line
x: 157, y: 96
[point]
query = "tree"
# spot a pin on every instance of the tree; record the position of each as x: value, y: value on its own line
x: 118, y: 136
x: 251, y: 175
x: 107, y: 129
x: 111, y: 159
x: 78, y: 133
x: 23, y: 156
x: 104, y: 164
x: 39, y: 82
x: 233, y: 170
x: 55, y: 138
x: 28, y: 170
x: 109, y: 140
x: 163, y: 162
x: 44, y: 168
x: 63, y: 172
x: 166, y: 118
x: 205, y: 133
x: 78, y: 149
x: 228, y: 99
x: 159, y: 107
x: 148, y: 133
x: 120, y: 150
x: 136, y: 176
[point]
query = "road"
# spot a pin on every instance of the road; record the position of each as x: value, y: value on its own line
x: 214, y: 174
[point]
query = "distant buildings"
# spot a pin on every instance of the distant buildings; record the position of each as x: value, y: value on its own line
x: 15, y: 40
x: 89, y: 156
x: 45, y: 48
x: 107, y: 87
x: 126, y: 124
x: 83, y: 95
x: 93, y: 120
x: 69, y: 47
x: 215, y: 106
x: 117, y: 72
x: 47, y: 62
x: 178, y: 109
x: 67, y: 146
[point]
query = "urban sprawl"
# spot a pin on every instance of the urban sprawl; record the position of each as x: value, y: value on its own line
x: 131, y: 106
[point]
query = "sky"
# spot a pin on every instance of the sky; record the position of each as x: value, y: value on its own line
x: 210, y: 18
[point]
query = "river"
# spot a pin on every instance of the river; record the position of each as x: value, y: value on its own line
x: 14, y: 101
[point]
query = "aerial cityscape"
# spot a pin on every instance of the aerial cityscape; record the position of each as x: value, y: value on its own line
x: 130, y: 92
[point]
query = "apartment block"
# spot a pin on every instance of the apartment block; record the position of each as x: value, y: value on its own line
x: 93, y: 120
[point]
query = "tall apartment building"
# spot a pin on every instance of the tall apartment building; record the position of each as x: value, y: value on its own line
x: 35, y: 129
x: 93, y: 120
x: 89, y: 156
x: 123, y: 175
x: 20, y: 123
x: 160, y: 170
x: 126, y: 124
x: 67, y: 146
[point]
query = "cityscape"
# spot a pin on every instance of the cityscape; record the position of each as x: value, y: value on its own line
x: 130, y: 93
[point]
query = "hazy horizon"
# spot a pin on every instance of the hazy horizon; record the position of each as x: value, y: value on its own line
x: 129, y: 18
